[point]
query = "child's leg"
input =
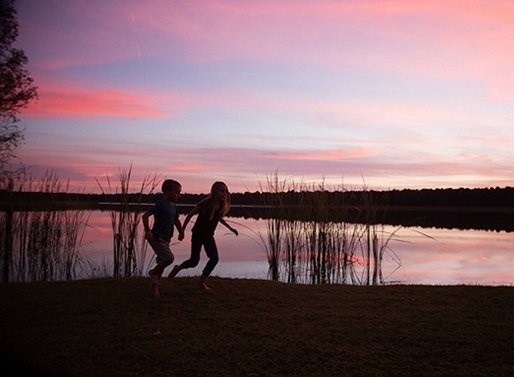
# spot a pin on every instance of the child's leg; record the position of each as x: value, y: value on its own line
x: 174, y: 271
x: 152, y: 273
x: 212, y: 252
x: 155, y: 282
x: 159, y: 268
x: 164, y: 258
x: 194, y: 259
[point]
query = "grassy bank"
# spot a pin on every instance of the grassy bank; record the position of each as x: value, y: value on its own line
x: 255, y: 328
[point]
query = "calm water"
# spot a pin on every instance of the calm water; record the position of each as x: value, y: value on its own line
x: 417, y: 255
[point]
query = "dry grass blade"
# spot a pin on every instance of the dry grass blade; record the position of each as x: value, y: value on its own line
x: 323, y: 249
x: 129, y: 245
x: 41, y: 245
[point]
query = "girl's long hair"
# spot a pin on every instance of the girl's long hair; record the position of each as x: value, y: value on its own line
x: 210, y: 201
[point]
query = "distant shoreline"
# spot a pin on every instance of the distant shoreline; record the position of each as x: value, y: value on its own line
x: 489, y: 218
x: 69, y: 205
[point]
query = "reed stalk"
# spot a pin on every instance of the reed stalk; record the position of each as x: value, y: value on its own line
x: 129, y: 247
x: 309, y: 232
x: 273, y: 246
x: 42, y: 245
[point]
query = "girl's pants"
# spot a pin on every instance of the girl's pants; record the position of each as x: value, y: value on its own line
x: 211, y: 250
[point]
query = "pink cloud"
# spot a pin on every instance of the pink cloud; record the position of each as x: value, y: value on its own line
x: 245, y: 168
x: 458, y: 40
x: 329, y: 155
x: 190, y: 167
x: 66, y: 100
x: 350, y: 162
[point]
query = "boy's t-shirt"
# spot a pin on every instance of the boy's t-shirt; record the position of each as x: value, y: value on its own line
x: 165, y: 213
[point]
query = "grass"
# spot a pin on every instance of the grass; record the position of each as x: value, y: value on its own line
x: 107, y: 327
x: 129, y: 249
x: 40, y: 245
x: 305, y: 243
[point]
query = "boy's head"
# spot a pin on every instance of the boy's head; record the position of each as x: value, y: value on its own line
x: 171, y: 189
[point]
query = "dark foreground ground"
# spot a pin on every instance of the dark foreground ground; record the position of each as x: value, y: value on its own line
x: 254, y: 328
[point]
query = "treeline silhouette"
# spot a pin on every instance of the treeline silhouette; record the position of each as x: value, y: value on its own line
x: 463, y: 208
x: 461, y: 197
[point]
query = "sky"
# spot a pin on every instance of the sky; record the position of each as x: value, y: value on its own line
x: 377, y: 94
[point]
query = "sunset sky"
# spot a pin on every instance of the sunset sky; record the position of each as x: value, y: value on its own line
x: 390, y: 94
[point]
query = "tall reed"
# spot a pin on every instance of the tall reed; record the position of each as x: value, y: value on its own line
x: 273, y: 246
x: 41, y: 245
x: 310, y: 235
x: 129, y: 246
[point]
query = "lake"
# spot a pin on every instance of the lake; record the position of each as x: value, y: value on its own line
x: 415, y: 255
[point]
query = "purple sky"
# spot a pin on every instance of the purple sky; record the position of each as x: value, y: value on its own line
x: 387, y: 94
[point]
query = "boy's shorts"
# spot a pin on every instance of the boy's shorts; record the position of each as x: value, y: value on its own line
x: 162, y: 250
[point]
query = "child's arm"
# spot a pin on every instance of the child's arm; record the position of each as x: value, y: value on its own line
x: 146, y: 224
x: 191, y: 213
x: 180, y: 229
x: 229, y: 227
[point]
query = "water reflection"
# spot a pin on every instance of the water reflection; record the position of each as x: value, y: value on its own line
x: 415, y: 255
x: 418, y: 255
x: 40, y: 245
x: 457, y: 257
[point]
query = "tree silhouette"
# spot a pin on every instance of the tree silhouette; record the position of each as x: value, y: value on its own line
x: 17, y: 87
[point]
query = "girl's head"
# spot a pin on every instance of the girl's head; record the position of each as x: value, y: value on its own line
x: 219, y: 190
x: 221, y: 195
